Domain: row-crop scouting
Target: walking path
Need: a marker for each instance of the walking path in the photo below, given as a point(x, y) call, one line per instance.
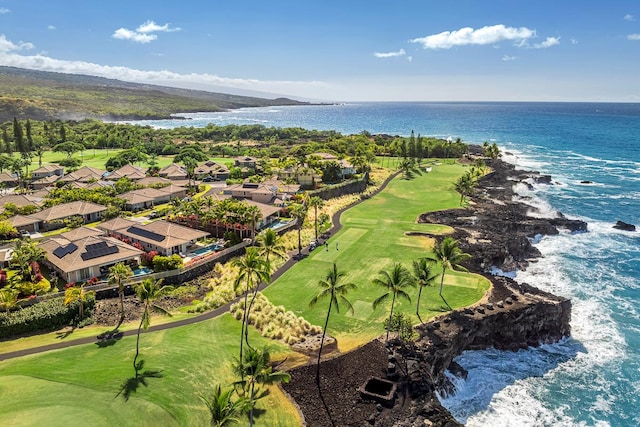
point(337, 226)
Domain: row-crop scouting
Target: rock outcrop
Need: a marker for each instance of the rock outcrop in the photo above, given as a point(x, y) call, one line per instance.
point(620, 225)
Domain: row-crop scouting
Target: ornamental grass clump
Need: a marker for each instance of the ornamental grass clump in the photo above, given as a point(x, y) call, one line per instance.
point(274, 322)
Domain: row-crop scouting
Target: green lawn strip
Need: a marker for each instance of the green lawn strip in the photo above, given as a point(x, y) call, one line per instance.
point(373, 238)
point(93, 158)
point(69, 334)
point(191, 358)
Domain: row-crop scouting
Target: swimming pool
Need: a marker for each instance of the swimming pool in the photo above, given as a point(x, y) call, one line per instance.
point(206, 250)
point(279, 224)
point(142, 271)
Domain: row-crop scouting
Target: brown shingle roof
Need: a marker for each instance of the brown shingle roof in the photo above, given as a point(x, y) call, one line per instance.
point(66, 210)
point(174, 234)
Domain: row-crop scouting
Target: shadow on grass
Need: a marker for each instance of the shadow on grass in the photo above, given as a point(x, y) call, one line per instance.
point(109, 338)
point(131, 385)
point(64, 334)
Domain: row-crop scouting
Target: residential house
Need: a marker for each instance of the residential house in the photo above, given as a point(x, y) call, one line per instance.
point(211, 171)
point(245, 162)
point(134, 173)
point(20, 200)
point(81, 259)
point(53, 217)
point(25, 223)
point(346, 168)
point(7, 180)
point(146, 198)
point(47, 170)
point(44, 182)
point(174, 171)
point(85, 174)
point(257, 192)
point(164, 237)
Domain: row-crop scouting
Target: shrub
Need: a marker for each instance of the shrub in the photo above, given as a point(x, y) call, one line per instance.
point(47, 315)
point(275, 322)
point(164, 263)
point(27, 288)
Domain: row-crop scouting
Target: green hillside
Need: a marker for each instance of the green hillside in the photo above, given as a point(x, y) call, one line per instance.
point(41, 95)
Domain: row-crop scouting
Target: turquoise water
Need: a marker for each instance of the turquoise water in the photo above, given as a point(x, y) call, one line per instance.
point(278, 224)
point(206, 250)
point(593, 378)
point(142, 271)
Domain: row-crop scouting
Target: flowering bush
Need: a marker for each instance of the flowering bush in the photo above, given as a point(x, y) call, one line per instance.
point(69, 285)
point(3, 277)
point(92, 281)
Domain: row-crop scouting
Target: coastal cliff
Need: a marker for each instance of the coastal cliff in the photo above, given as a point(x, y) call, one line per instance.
point(497, 229)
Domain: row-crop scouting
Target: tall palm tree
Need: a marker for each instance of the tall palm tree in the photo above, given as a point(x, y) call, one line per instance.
point(252, 270)
point(336, 291)
point(449, 255)
point(316, 202)
point(299, 212)
point(119, 275)
point(425, 276)
point(465, 185)
point(223, 409)
point(148, 292)
point(395, 282)
point(270, 243)
point(255, 370)
point(78, 293)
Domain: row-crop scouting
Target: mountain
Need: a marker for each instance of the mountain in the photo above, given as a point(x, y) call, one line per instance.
point(44, 95)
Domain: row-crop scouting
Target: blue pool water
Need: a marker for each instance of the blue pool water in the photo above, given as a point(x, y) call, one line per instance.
point(207, 249)
point(142, 271)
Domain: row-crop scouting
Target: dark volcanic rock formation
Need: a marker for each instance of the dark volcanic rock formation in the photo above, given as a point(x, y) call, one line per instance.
point(624, 226)
point(496, 230)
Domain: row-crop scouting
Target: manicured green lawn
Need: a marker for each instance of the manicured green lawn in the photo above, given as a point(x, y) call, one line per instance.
point(93, 158)
point(373, 238)
point(78, 386)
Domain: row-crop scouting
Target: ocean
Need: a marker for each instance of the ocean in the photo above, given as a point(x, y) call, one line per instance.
point(592, 152)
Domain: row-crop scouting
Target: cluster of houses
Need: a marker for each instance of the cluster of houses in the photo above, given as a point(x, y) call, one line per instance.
point(87, 252)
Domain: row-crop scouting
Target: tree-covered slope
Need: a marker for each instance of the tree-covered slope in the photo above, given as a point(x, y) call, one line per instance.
point(42, 95)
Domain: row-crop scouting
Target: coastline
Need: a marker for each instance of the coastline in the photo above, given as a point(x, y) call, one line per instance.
point(498, 232)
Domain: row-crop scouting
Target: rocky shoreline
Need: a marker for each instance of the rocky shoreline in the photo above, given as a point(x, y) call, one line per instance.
point(497, 229)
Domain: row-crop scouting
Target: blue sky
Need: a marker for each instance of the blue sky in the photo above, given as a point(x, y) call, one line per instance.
point(422, 50)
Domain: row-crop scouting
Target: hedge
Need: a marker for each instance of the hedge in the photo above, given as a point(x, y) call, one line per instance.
point(46, 315)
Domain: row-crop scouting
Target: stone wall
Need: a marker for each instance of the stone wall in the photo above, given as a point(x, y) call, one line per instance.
point(333, 191)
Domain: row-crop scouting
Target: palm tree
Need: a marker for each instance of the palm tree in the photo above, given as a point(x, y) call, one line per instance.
point(394, 282)
point(8, 298)
point(255, 370)
point(223, 409)
point(77, 293)
point(449, 255)
point(119, 275)
point(316, 202)
point(465, 185)
point(271, 244)
point(252, 271)
point(422, 271)
point(299, 212)
point(253, 215)
point(148, 292)
point(336, 292)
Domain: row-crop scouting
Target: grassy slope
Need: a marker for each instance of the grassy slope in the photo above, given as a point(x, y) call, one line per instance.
point(195, 357)
point(73, 386)
point(373, 239)
point(41, 95)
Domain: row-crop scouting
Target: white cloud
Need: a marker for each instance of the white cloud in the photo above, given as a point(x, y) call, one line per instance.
point(144, 33)
point(633, 36)
point(508, 58)
point(629, 17)
point(410, 58)
point(550, 41)
point(152, 27)
point(124, 34)
point(574, 41)
point(8, 57)
point(400, 52)
point(51, 27)
point(4, 10)
point(8, 46)
point(469, 36)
